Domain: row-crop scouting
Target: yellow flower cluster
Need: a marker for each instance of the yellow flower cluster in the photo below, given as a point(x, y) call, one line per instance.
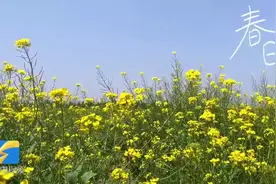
point(193, 75)
point(5, 176)
point(88, 122)
point(139, 94)
point(8, 68)
point(247, 160)
point(59, 94)
point(126, 99)
point(22, 43)
point(193, 151)
point(111, 95)
point(208, 115)
point(216, 138)
point(120, 174)
point(152, 181)
point(88, 101)
point(32, 158)
point(28, 171)
point(133, 154)
point(64, 154)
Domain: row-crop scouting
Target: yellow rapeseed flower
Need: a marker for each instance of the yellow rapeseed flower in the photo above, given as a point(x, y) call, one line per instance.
point(229, 82)
point(214, 161)
point(59, 94)
point(192, 100)
point(64, 153)
point(237, 156)
point(208, 115)
point(9, 68)
point(193, 75)
point(111, 95)
point(123, 73)
point(25, 181)
point(32, 158)
point(28, 170)
point(5, 176)
point(119, 174)
point(21, 72)
point(152, 181)
point(126, 99)
point(88, 100)
point(213, 132)
point(22, 43)
point(133, 154)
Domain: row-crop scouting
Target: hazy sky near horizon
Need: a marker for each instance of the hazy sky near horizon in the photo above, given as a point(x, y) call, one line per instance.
point(72, 37)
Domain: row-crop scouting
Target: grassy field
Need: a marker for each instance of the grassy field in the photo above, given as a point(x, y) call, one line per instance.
point(188, 129)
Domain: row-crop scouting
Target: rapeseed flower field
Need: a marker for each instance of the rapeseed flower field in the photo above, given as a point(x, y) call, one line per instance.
point(188, 129)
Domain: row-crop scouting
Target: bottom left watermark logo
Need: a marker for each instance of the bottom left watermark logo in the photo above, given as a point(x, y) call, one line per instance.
point(9, 152)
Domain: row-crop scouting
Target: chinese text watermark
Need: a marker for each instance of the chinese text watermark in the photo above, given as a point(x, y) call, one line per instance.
point(253, 31)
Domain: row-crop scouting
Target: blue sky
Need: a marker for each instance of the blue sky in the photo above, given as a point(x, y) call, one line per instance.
point(72, 37)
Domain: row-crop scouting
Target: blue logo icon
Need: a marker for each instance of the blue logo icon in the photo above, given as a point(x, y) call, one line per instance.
point(9, 152)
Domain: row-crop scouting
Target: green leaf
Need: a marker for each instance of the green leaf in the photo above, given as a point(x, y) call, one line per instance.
point(31, 149)
point(31, 138)
point(72, 177)
point(15, 181)
point(87, 176)
point(78, 169)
